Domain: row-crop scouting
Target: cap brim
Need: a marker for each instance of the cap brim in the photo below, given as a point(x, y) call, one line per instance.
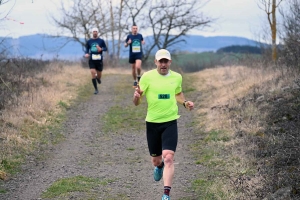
point(162, 57)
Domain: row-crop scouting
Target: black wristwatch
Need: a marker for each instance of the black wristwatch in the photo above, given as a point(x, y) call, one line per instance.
point(184, 103)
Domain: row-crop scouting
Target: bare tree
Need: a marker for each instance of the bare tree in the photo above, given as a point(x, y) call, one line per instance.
point(171, 20)
point(80, 18)
point(269, 7)
point(120, 27)
point(118, 19)
point(168, 21)
point(135, 8)
point(4, 2)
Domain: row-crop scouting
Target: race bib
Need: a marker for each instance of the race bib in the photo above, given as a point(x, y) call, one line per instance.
point(136, 49)
point(96, 57)
point(164, 96)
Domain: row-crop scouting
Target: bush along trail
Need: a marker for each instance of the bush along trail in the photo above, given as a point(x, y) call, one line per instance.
point(104, 153)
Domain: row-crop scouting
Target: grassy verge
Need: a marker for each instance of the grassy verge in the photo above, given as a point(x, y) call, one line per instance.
point(36, 121)
point(64, 187)
point(231, 128)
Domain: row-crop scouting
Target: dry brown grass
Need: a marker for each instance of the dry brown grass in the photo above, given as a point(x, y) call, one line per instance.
point(229, 104)
point(60, 84)
point(48, 90)
point(117, 70)
point(223, 85)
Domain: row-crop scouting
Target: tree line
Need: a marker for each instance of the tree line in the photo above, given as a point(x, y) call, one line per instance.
point(166, 21)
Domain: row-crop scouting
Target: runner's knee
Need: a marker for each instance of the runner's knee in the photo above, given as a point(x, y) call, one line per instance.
point(156, 160)
point(168, 158)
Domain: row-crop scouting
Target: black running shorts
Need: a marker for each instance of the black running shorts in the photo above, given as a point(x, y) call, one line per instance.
point(161, 136)
point(96, 64)
point(133, 58)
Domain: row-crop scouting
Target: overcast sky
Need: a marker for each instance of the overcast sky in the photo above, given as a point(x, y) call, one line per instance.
point(235, 17)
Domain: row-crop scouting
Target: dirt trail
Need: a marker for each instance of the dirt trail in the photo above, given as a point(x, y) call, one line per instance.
point(88, 152)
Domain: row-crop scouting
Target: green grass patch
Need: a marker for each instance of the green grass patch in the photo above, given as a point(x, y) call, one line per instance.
point(203, 187)
point(124, 118)
point(207, 155)
point(2, 191)
point(63, 104)
point(217, 135)
point(84, 92)
point(130, 149)
point(11, 165)
point(65, 186)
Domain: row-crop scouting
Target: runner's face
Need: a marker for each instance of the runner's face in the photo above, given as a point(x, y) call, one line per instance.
point(163, 66)
point(95, 34)
point(134, 30)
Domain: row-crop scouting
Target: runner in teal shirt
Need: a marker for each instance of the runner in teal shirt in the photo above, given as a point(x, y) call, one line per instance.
point(135, 41)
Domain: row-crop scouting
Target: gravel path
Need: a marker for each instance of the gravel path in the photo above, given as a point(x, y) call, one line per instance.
point(88, 152)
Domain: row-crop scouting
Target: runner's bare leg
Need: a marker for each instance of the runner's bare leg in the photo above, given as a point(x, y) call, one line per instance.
point(133, 67)
point(168, 173)
point(138, 65)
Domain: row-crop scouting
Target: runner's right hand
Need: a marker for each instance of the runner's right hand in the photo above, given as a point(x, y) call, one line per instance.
point(138, 92)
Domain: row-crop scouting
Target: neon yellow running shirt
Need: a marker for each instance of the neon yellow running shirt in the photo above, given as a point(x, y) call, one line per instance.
point(160, 93)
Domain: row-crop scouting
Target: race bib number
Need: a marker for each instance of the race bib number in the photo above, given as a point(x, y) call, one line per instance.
point(164, 96)
point(96, 57)
point(136, 49)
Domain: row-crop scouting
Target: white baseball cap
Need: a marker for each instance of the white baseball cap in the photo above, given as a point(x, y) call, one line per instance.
point(95, 29)
point(162, 53)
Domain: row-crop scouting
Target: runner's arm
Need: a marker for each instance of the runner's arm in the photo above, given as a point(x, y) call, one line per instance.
point(103, 46)
point(126, 42)
point(87, 48)
point(181, 100)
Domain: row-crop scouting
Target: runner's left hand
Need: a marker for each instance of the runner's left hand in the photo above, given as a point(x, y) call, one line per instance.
point(189, 105)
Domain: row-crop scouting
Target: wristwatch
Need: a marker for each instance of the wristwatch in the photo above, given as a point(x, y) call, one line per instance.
point(184, 103)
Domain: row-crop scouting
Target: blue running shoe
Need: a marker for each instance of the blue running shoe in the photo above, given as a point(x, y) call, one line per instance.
point(165, 197)
point(158, 173)
point(135, 83)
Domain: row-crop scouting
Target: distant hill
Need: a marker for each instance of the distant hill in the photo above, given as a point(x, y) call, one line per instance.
point(240, 49)
point(47, 47)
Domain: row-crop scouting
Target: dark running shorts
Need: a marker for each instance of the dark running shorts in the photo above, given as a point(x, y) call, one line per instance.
point(133, 58)
point(96, 64)
point(161, 136)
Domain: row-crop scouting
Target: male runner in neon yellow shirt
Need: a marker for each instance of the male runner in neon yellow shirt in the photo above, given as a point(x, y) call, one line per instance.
point(162, 88)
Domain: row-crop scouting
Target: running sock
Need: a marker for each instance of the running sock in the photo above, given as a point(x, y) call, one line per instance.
point(95, 83)
point(98, 80)
point(161, 165)
point(138, 78)
point(167, 190)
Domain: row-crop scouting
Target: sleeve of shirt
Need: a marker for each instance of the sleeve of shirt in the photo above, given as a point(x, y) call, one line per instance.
point(143, 85)
point(179, 87)
point(103, 46)
point(87, 47)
